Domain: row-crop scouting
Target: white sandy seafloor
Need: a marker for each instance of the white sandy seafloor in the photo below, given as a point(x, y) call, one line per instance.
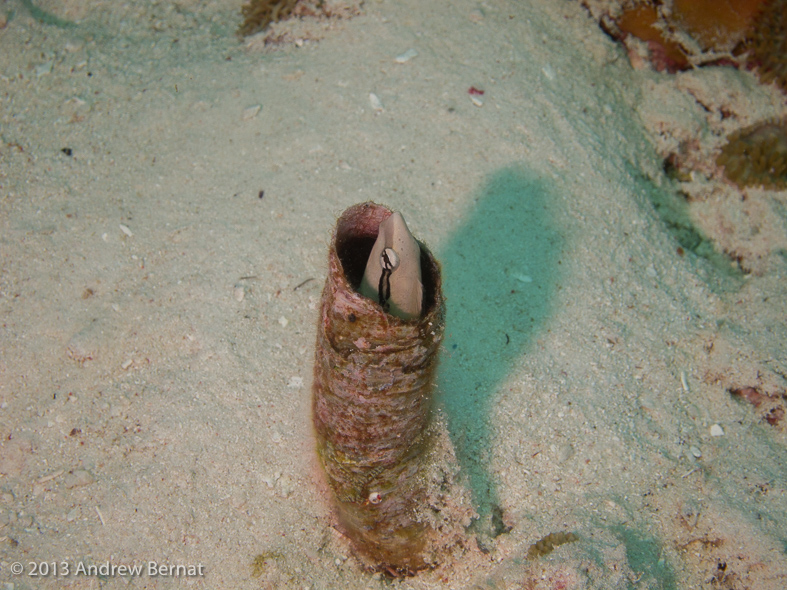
point(158, 330)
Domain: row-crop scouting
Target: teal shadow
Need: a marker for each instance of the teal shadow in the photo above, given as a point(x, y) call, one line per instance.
point(645, 557)
point(500, 274)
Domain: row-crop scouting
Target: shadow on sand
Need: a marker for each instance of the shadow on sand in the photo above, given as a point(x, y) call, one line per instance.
point(500, 272)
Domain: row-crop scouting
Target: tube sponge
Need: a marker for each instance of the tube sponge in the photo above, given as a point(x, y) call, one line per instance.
point(371, 403)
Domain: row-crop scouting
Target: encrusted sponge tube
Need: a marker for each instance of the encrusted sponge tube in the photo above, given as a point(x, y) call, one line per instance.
point(372, 398)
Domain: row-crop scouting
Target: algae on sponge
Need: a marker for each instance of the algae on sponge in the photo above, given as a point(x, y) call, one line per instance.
point(757, 155)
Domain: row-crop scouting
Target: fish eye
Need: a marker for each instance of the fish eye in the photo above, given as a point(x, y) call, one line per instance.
point(389, 259)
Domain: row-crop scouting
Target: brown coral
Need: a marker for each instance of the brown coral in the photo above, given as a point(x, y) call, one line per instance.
point(757, 156)
point(716, 24)
point(258, 14)
point(768, 43)
point(547, 544)
point(643, 22)
point(728, 32)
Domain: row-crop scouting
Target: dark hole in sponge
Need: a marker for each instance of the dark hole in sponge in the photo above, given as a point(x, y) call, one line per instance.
point(354, 252)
